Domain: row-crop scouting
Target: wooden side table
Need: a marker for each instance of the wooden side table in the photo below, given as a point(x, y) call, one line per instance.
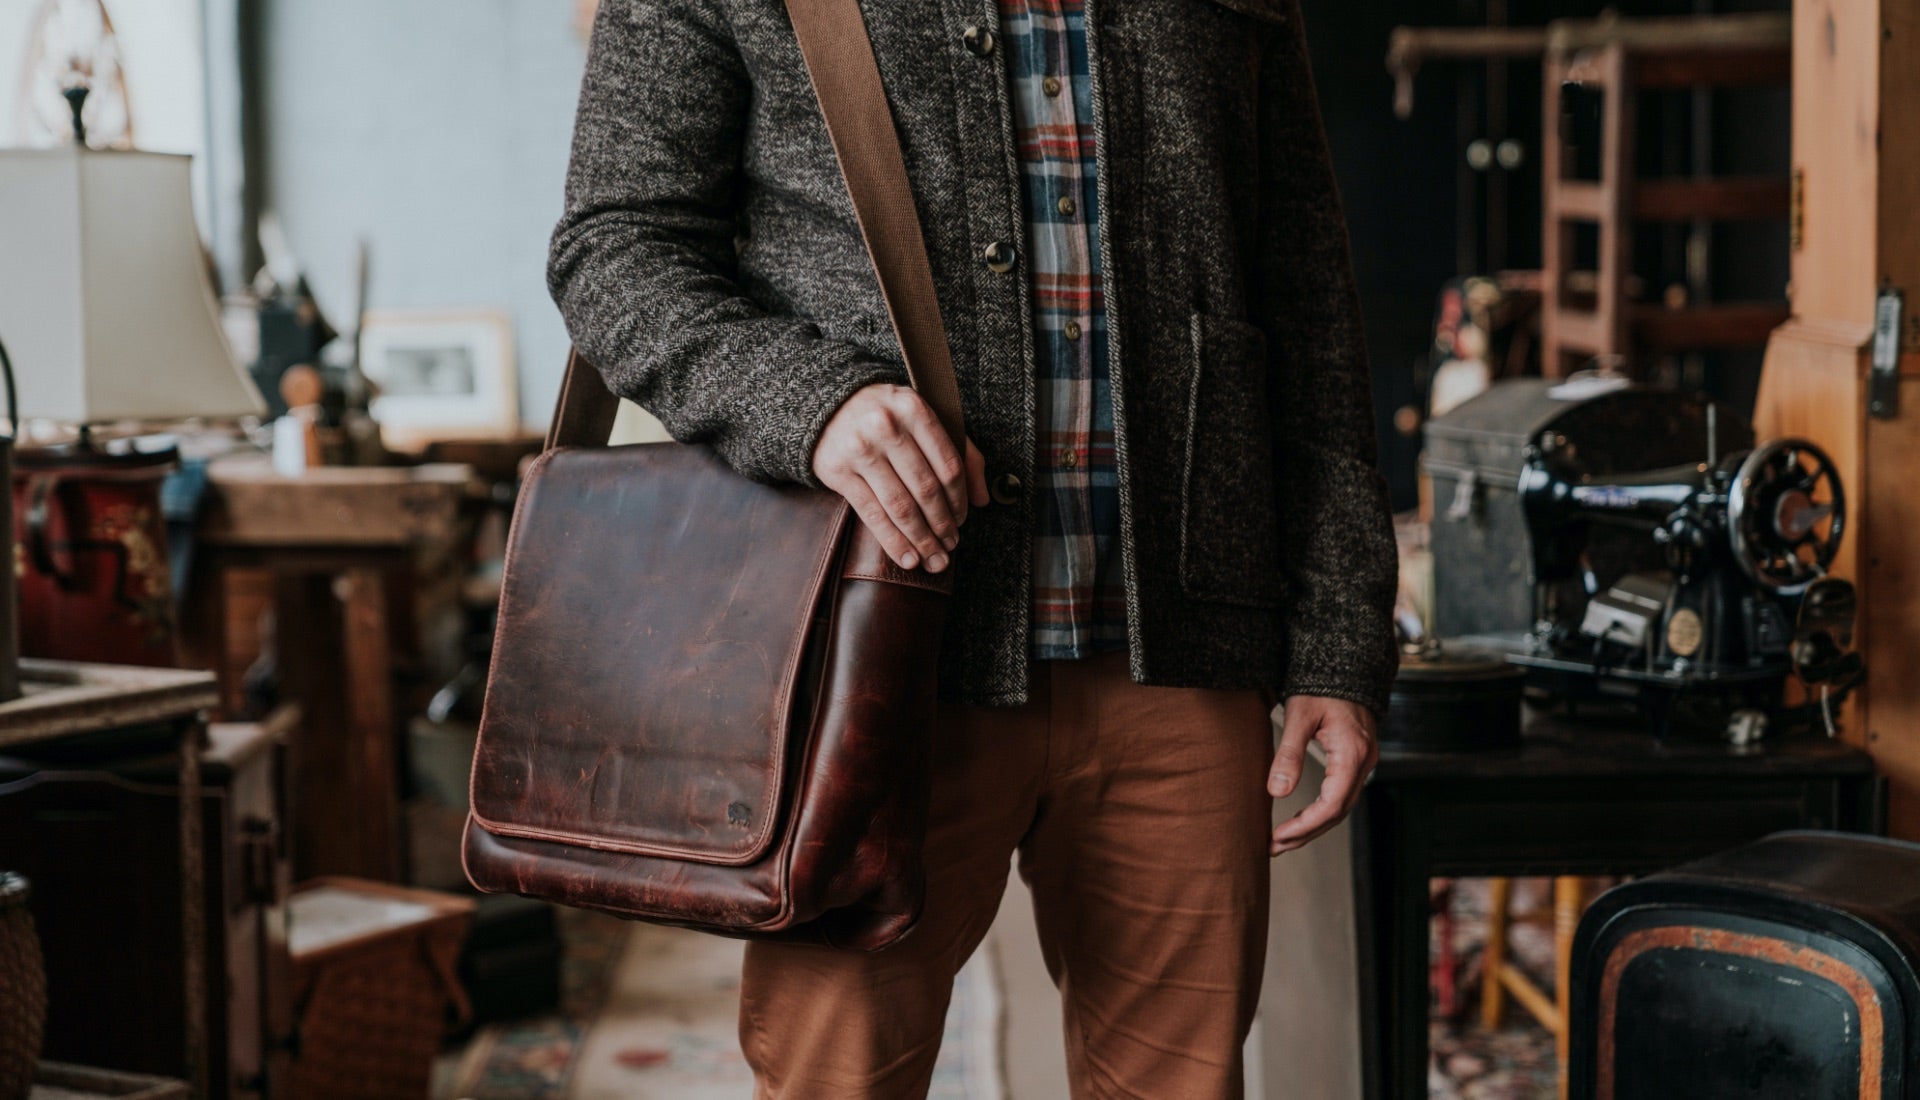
point(66, 701)
point(1575, 799)
point(343, 554)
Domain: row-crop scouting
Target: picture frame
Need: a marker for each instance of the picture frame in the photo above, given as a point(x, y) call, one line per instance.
point(441, 374)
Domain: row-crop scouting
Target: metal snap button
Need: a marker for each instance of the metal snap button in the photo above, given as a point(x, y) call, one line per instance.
point(1006, 489)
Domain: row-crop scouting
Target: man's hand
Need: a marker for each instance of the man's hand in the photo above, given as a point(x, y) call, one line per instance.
point(887, 454)
point(1346, 732)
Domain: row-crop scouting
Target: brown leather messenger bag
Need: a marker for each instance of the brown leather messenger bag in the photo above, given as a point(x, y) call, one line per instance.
point(711, 699)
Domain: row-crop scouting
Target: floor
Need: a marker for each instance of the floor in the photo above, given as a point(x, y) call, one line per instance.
point(648, 1014)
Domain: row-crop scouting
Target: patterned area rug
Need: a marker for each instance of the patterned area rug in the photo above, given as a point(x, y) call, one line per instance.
point(1468, 1062)
point(649, 1014)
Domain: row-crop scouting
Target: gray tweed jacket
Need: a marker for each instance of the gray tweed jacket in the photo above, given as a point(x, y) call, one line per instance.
point(710, 264)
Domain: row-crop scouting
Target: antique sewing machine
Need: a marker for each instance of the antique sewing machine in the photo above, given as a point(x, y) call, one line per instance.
point(1743, 603)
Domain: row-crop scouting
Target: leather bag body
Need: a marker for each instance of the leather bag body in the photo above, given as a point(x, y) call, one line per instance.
point(711, 699)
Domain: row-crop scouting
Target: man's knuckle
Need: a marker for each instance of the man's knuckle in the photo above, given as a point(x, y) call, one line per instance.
point(876, 422)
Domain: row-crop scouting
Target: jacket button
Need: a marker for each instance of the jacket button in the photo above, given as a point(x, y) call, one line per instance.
point(979, 40)
point(1000, 257)
point(1006, 489)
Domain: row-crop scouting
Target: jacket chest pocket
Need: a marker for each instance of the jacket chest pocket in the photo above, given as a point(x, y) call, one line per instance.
point(1230, 536)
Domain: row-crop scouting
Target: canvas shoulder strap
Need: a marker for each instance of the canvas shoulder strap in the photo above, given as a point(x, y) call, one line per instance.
point(846, 80)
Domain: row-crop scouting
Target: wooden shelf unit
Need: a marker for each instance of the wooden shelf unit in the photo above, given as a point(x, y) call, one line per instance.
point(1713, 52)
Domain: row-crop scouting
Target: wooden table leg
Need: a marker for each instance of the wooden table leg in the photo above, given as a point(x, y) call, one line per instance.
point(1493, 998)
point(193, 913)
point(1569, 902)
point(342, 761)
point(371, 735)
point(1391, 862)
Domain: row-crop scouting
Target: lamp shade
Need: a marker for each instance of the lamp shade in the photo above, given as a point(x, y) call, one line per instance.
point(105, 300)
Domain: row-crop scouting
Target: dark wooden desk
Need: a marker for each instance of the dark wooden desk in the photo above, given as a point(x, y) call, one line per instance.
point(1577, 798)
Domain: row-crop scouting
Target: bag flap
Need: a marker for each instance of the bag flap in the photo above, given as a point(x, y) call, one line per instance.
point(653, 619)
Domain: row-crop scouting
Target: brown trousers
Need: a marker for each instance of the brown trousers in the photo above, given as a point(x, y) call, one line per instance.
point(1141, 818)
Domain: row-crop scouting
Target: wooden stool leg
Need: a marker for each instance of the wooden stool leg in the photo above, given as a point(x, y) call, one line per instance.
point(1492, 991)
point(1569, 901)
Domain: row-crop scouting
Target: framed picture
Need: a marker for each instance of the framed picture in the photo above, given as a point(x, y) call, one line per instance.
point(441, 375)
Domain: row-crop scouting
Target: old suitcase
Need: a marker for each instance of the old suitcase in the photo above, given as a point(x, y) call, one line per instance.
point(1786, 968)
point(1474, 454)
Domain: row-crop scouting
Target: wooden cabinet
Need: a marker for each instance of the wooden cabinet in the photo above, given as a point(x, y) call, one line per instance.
point(100, 841)
point(1856, 231)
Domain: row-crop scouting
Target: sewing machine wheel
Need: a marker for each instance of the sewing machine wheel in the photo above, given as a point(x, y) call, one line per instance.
point(1785, 515)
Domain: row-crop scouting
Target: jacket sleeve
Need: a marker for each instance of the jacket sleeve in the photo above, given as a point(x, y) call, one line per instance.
point(643, 265)
point(1339, 558)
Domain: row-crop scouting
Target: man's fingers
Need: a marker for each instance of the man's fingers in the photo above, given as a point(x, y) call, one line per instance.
point(904, 511)
point(867, 507)
point(976, 477)
point(1295, 731)
point(942, 462)
point(1325, 811)
point(1350, 757)
point(929, 492)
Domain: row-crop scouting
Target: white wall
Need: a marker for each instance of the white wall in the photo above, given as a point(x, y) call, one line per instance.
point(161, 53)
point(438, 130)
point(164, 61)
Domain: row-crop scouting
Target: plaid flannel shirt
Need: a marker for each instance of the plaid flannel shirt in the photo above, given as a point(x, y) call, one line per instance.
point(1079, 595)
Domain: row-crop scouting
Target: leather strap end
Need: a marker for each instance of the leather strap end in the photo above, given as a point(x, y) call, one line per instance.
point(584, 415)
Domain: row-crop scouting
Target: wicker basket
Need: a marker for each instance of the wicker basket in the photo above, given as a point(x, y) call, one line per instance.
point(23, 990)
point(374, 975)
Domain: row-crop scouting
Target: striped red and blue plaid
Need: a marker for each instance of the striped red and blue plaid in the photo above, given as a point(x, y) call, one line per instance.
point(1079, 597)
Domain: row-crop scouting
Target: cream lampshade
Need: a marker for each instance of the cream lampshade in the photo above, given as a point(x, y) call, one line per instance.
point(105, 300)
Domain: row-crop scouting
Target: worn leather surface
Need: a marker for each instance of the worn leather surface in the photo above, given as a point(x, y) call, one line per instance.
point(709, 704)
point(642, 696)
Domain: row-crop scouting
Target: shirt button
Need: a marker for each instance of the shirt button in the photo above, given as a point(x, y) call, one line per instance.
point(1000, 257)
point(1066, 205)
point(1006, 489)
point(1069, 459)
point(978, 40)
point(1051, 85)
point(1071, 330)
